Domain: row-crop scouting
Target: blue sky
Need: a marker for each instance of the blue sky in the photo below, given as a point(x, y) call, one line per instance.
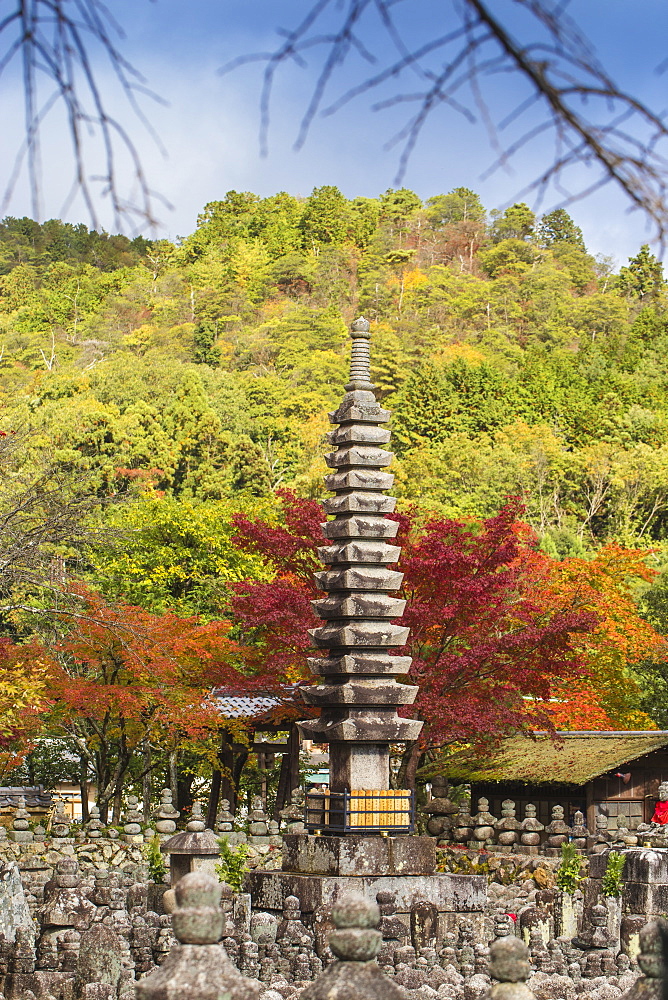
point(209, 127)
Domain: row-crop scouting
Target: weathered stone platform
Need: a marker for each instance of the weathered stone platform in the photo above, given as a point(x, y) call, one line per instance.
point(448, 893)
point(356, 854)
point(644, 882)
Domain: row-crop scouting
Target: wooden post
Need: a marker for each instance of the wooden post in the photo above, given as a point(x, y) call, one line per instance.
point(222, 785)
point(288, 778)
point(294, 746)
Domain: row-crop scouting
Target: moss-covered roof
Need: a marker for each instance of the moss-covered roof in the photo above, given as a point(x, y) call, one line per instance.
point(575, 759)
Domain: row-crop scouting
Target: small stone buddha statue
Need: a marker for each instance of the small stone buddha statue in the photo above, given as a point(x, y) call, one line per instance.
point(660, 815)
point(657, 824)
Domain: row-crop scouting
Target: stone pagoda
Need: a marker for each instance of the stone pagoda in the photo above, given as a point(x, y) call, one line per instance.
point(360, 830)
point(358, 693)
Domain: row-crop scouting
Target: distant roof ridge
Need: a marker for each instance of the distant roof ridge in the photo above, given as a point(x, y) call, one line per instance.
point(597, 732)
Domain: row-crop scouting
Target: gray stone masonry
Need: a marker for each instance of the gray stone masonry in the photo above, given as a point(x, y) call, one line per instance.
point(355, 941)
point(650, 985)
point(194, 849)
point(199, 969)
point(509, 964)
point(96, 934)
point(14, 911)
point(358, 855)
point(99, 961)
point(645, 880)
point(448, 893)
point(357, 691)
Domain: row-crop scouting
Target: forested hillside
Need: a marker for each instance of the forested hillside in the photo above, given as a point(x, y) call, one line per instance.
point(180, 383)
point(513, 362)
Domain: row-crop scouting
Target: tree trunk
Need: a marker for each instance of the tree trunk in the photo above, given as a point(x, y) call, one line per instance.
point(146, 782)
point(239, 765)
point(184, 785)
point(283, 789)
point(289, 777)
point(83, 787)
point(409, 765)
point(118, 796)
point(214, 799)
point(174, 776)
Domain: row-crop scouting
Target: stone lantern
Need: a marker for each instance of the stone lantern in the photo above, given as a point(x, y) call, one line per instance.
point(195, 849)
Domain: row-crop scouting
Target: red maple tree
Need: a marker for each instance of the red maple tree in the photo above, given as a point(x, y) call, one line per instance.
point(123, 679)
point(494, 629)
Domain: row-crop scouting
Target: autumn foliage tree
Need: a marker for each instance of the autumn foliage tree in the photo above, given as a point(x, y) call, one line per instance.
point(604, 586)
point(23, 696)
point(123, 680)
point(497, 627)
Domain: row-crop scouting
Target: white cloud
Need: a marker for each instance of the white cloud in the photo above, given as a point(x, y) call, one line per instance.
point(210, 130)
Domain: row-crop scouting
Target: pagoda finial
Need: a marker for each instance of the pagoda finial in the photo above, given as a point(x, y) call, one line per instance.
point(360, 358)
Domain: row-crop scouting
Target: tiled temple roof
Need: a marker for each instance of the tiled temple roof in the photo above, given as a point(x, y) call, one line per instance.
point(35, 796)
point(241, 706)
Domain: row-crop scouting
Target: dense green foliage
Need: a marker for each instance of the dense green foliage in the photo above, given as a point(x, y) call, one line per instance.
point(233, 866)
point(193, 379)
point(514, 362)
point(612, 884)
point(155, 860)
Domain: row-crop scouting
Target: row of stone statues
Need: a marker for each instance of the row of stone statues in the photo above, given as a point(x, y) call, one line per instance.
point(133, 829)
point(448, 822)
point(454, 823)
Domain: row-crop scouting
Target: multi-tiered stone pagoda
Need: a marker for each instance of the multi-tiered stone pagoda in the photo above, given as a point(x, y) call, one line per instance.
point(358, 693)
point(359, 831)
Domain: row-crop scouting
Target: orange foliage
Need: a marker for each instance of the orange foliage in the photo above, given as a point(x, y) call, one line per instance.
point(123, 676)
point(604, 587)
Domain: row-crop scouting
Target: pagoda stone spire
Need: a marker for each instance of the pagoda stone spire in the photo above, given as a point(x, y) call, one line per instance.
point(357, 691)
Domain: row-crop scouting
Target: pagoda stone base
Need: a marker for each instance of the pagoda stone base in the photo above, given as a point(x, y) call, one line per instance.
point(450, 894)
point(357, 854)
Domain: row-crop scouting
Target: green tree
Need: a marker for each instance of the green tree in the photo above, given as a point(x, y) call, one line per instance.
point(163, 553)
point(275, 222)
point(516, 223)
point(558, 227)
point(642, 278)
point(327, 218)
point(398, 209)
point(204, 338)
point(459, 205)
point(508, 255)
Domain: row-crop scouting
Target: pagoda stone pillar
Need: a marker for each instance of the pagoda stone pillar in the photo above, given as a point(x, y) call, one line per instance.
point(357, 692)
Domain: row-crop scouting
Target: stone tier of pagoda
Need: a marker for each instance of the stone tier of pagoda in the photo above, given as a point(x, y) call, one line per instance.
point(357, 691)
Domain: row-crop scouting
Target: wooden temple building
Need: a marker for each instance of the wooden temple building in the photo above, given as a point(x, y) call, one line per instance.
point(614, 773)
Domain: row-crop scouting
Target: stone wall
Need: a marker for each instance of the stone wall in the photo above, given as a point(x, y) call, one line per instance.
point(74, 893)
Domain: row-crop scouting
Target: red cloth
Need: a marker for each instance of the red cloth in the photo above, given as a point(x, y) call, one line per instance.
point(660, 813)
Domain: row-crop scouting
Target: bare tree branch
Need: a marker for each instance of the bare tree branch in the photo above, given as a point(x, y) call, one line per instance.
point(58, 42)
point(44, 513)
point(469, 45)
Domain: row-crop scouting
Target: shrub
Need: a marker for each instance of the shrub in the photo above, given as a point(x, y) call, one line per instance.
point(232, 867)
point(569, 873)
point(612, 879)
point(157, 869)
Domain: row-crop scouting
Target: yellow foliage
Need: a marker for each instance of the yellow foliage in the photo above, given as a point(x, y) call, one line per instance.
point(141, 336)
point(460, 352)
point(22, 691)
point(408, 280)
